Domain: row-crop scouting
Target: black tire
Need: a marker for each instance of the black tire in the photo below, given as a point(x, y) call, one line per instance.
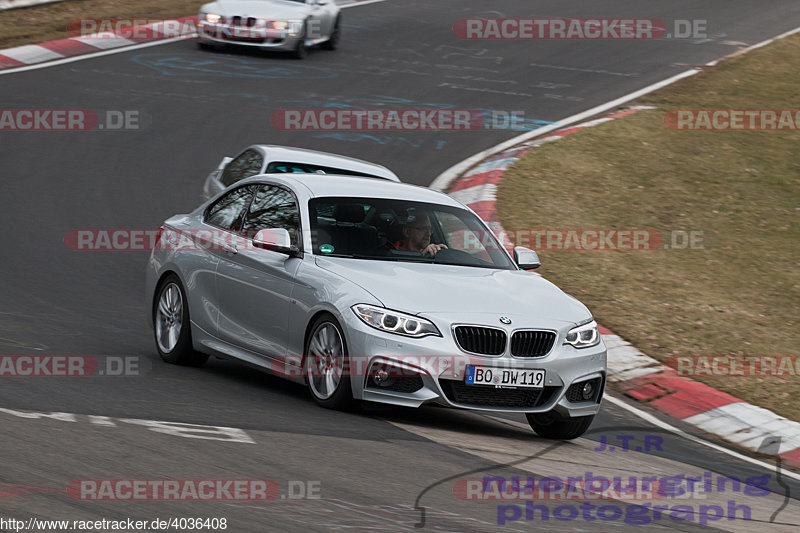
point(301, 50)
point(336, 36)
point(318, 362)
point(206, 46)
point(170, 308)
point(557, 427)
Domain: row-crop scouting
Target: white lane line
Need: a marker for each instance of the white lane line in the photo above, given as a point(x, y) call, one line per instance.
point(91, 55)
point(360, 3)
point(445, 178)
point(127, 48)
point(663, 425)
point(14, 4)
point(177, 429)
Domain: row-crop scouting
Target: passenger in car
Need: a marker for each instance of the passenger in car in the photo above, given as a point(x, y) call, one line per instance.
point(417, 235)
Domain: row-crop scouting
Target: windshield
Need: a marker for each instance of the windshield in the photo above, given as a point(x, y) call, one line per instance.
point(397, 230)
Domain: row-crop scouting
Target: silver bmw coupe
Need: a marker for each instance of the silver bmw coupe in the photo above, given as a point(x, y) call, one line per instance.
point(371, 290)
point(281, 25)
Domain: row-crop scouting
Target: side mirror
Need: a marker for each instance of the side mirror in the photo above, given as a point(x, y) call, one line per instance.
point(526, 258)
point(275, 239)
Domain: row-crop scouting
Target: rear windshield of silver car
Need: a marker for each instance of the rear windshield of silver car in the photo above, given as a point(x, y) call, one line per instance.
point(400, 230)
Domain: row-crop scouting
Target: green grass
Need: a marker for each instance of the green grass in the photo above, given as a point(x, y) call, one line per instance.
point(738, 296)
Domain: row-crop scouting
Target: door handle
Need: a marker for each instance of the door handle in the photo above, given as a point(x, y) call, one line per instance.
point(230, 249)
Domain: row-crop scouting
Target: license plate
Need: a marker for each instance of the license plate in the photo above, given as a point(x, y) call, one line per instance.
point(507, 377)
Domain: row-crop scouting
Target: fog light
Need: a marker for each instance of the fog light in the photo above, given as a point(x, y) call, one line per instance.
point(588, 390)
point(380, 377)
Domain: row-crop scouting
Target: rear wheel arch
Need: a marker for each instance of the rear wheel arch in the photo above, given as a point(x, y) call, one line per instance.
point(172, 323)
point(164, 275)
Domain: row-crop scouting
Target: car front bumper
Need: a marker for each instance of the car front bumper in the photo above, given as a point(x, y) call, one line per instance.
point(433, 370)
point(243, 36)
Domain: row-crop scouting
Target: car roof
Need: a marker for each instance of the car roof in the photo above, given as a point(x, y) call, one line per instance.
point(324, 185)
point(325, 159)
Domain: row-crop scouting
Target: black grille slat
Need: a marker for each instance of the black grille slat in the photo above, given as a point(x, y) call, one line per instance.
point(532, 343)
point(487, 396)
point(480, 340)
point(538, 343)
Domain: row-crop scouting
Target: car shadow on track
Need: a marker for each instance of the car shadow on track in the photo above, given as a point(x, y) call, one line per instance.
point(259, 396)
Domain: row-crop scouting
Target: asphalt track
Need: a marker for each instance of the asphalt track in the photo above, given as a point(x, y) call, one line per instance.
point(376, 469)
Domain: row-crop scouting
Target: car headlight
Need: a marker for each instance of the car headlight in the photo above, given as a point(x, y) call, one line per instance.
point(395, 322)
point(583, 336)
point(212, 18)
point(293, 27)
point(278, 24)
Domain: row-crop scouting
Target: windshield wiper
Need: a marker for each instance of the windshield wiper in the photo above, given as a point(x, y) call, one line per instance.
point(363, 256)
point(495, 267)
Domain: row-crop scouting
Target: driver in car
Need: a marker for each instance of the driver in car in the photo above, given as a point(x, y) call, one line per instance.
point(417, 236)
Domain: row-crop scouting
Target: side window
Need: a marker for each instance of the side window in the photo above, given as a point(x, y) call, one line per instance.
point(273, 207)
point(281, 167)
point(227, 212)
point(247, 164)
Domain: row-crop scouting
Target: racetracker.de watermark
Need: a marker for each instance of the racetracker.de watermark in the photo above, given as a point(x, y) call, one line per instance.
point(69, 120)
point(769, 366)
point(233, 29)
point(589, 486)
point(590, 239)
point(733, 119)
point(396, 120)
point(136, 240)
point(162, 490)
point(577, 29)
point(71, 366)
point(386, 369)
point(174, 489)
point(584, 239)
point(130, 28)
point(586, 487)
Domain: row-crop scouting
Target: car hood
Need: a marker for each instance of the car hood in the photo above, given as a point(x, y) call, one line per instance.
point(268, 9)
point(420, 288)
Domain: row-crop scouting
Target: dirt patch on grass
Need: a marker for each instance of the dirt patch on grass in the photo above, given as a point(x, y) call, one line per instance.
point(49, 22)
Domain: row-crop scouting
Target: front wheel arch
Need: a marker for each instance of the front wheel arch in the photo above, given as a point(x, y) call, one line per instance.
point(342, 396)
point(310, 326)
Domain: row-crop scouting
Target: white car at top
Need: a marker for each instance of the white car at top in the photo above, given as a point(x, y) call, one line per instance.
point(280, 25)
point(274, 159)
